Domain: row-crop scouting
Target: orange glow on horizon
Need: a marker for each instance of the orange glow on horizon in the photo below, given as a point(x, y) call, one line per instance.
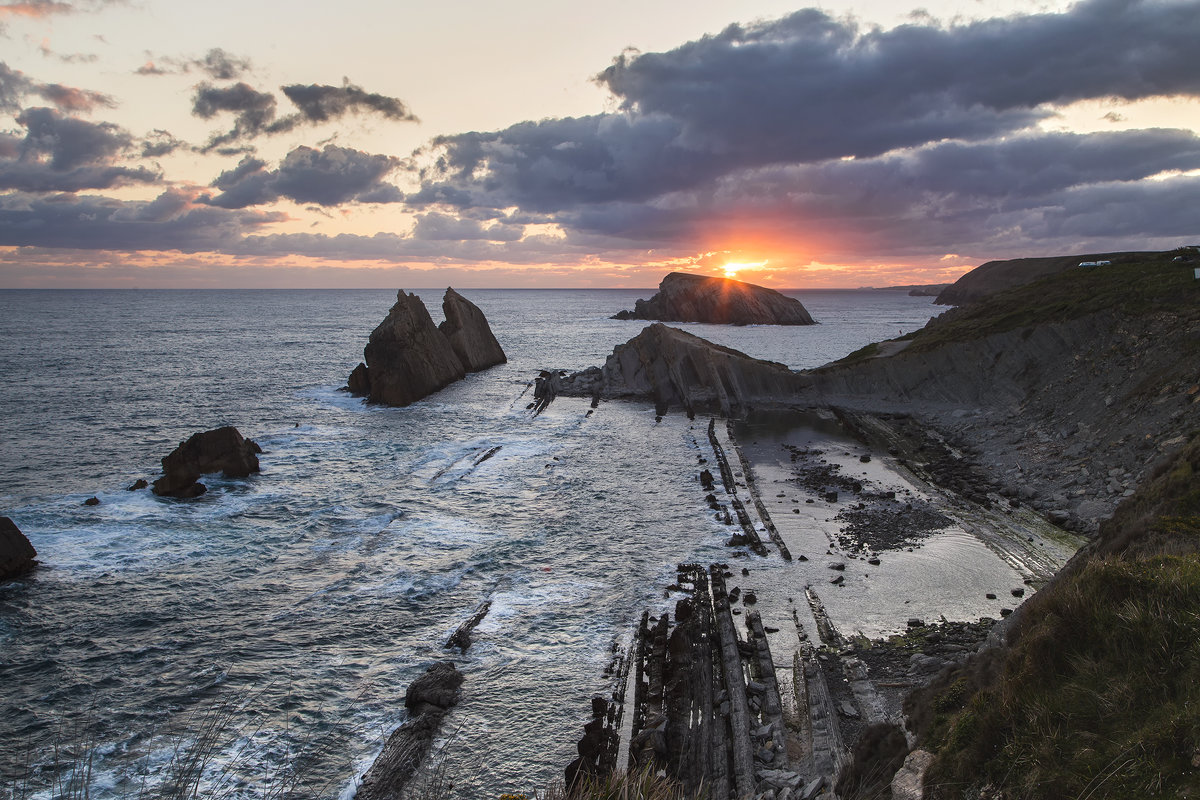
point(732, 268)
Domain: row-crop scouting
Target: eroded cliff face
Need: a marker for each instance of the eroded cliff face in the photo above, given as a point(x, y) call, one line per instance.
point(675, 368)
point(408, 357)
point(696, 298)
point(470, 335)
point(1074, 413)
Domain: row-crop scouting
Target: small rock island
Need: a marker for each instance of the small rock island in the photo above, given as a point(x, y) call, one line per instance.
point(683, 297)
point(222, 450)
point(408, 357)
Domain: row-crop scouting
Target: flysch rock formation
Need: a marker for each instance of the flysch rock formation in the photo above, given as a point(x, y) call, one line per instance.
point(674, 368)
point(470, 335)
point(427, 701)
point(222, 450)
point(696, 298)
point(16, 553)
point(408, 358)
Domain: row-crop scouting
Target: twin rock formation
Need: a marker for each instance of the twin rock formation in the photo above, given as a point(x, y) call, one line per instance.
point(408, 357)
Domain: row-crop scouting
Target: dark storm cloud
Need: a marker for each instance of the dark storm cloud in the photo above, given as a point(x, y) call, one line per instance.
point(810, 88)
point(326, 177)
point(61, 153)
point(170, 222)
point(255, 111)
point(16, 85)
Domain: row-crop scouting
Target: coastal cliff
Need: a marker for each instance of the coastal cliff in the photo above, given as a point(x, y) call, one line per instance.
point(408, 358)
point(675, 368)
point(696, 298)
point(996, 276)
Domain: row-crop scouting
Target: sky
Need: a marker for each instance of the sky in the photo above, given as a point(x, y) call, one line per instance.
point(364, 144)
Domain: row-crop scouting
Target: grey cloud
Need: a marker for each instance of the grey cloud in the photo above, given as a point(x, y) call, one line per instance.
point(809, 88)
point(171, 222)
point(66, 154)
point(16, 85)
point(330, 176)
point(216, 63)
point(322, 103)
point(159, 143)
point(443, 227)
point(253, 110)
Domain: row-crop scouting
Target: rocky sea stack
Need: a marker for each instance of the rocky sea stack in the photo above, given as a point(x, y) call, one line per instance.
point(16, 553)
point(723, 301)
point(222, 450)
point(408, 357)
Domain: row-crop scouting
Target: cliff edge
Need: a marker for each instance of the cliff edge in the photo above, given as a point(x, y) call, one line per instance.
point(695, 298)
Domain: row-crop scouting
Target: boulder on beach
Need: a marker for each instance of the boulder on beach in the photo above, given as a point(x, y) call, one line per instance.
point(674, 368)
point(222, 450)
point(696, 298)
point(16, 553)
point(408, 358)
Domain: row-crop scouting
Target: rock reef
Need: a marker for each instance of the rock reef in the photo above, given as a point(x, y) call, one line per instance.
point(222, 450)
point(674, 368)
point(16, 553)
point(427, 701)
point(695, 298)
point(408, 358)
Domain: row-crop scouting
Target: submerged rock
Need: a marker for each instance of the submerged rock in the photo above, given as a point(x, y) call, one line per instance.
point(222, 450)
point(672, 367)
point(16, 553)
point(408, 358)
point(696, 298)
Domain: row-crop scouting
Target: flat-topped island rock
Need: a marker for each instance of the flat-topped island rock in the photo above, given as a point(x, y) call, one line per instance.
point(408, 358)
point(723, 301)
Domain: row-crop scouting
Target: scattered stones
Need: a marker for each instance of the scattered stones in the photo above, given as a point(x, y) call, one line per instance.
point(1018, 592)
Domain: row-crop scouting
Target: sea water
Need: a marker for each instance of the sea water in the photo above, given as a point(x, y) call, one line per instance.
point(291, 609)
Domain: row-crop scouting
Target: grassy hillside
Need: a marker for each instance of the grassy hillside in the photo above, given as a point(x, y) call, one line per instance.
point(1098, 694)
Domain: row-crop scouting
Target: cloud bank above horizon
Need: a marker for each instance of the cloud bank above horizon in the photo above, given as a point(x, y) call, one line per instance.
point(807, 142)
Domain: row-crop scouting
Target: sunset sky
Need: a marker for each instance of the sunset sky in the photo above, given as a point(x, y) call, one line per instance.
point(547, 144)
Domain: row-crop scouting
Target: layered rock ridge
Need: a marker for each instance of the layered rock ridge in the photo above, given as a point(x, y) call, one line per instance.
point(408, 358)
point(674, 368)
point(696, 298)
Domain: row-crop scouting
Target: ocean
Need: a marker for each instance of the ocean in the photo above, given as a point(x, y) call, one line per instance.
point(296, 605)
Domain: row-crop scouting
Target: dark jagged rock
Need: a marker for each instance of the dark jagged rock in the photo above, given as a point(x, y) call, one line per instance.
point(140, 483)
point(470, 336)
point(461, 638)
point(696, 298)
point(408, 358)
point(223, 450)
point(672, 367)
point(427, 700)
point(16, 553)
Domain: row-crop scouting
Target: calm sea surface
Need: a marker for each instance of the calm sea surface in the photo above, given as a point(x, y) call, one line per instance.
point(301, 602)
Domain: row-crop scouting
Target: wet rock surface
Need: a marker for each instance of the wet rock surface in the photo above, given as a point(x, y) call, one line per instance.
point(222, 450)
point(408, 358)
point(427, 701)
point(16, 552)
point(697, 298)
point(670, 367)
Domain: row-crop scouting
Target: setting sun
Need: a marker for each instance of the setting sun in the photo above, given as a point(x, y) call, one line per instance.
point(734, 267)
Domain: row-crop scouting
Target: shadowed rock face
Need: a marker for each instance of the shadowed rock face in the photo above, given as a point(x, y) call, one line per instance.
point(223, 450)
point(408, 357)
point(16, 553)
point(672, 367)
point(695, 298)
point(469, 333)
